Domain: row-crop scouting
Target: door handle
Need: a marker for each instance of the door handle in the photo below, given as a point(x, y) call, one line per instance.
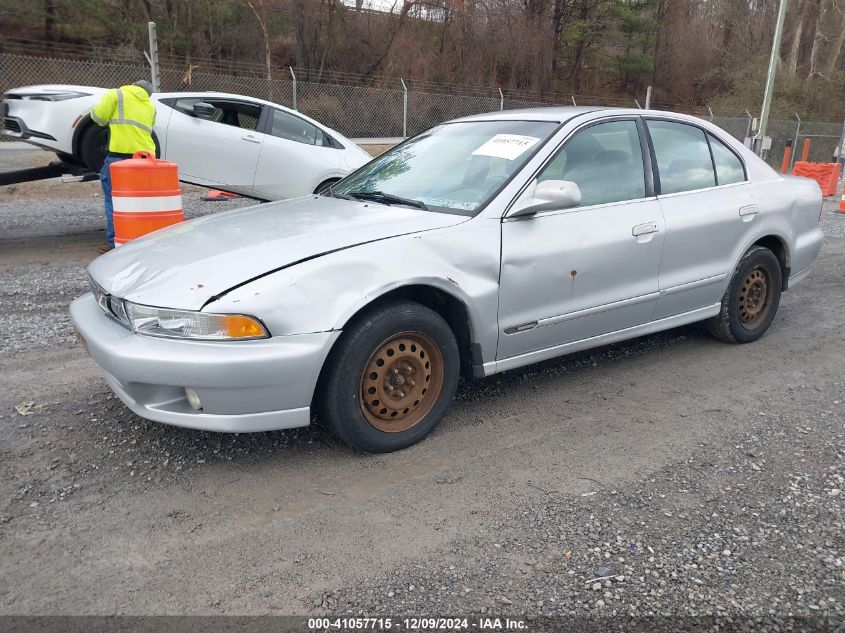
point(644, 229)
point(749, 209)
point(250, 138)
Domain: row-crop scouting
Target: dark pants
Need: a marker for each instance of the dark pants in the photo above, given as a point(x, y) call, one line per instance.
point(105, 181)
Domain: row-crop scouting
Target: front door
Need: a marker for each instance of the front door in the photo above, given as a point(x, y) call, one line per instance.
point(577, 273)
point(222, 150)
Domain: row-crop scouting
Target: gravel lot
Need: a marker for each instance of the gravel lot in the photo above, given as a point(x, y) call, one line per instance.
point(667, 477)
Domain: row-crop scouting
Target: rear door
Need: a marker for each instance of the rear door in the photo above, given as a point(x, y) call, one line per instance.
point(295, 158)
point(221, 151)
point(710, 211)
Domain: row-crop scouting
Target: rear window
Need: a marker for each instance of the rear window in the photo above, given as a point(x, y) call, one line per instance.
point(292, 128)
point(729, 168)
point(683, 157)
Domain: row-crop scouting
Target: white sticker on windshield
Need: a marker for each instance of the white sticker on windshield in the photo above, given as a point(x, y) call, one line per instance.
point(508, 146)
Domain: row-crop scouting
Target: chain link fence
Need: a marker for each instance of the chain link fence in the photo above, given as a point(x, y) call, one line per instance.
point(384, 108)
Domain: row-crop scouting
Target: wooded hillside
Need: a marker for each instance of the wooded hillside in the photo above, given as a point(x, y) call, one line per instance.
point(694, 52)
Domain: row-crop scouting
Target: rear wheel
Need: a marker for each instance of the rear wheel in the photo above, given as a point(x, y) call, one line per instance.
point(326, 184)
point(751, 300)
point(390, 378)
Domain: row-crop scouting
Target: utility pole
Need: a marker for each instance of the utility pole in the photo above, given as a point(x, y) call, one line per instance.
point(840, 149)
point(770, 80)
point(404, 109)
point(152, 58)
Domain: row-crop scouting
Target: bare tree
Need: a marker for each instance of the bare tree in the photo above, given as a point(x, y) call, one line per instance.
point(261, 16)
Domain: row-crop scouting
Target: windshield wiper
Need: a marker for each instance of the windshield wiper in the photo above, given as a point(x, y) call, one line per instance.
point(388, 198)
point(334, 194)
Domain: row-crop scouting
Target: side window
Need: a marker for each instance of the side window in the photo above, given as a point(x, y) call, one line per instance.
point(683, 157)
point(186, 105)
point(234, 113)
point(604, 160)
point(729, 168)
point(293, 128)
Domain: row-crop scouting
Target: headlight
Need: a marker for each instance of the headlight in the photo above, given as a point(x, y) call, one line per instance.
point(193, 325)
point(50, 96)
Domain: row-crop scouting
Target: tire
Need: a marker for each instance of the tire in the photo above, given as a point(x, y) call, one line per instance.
point(326, 184)
point(751, 300)
point(93, 147)
point(404, 358)
point(67, 159)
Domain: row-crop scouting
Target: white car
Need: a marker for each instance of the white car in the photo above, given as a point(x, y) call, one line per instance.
point(231, 142)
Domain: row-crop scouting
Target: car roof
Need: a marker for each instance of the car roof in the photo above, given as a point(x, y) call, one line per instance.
point(213, 93)
point(555, 113)
point(560, 114)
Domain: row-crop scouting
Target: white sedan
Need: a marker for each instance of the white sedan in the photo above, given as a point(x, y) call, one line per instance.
point(231, 142)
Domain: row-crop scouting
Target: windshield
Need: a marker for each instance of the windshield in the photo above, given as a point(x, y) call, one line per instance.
point(454, 168)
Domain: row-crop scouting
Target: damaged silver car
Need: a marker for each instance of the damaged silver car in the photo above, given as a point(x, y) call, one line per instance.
point(481, 245)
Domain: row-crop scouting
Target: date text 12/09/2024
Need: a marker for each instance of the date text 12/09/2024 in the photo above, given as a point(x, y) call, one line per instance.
point(416, 624)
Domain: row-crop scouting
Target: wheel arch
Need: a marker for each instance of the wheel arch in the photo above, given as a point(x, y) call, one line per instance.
point(84, 123)
point(453, 309)
point(327, 182)
point(779, 247)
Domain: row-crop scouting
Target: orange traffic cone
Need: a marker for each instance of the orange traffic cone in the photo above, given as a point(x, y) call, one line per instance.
point(216, 194)
point(842, 202)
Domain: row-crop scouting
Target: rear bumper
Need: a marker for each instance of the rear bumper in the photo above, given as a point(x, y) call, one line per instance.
point(244, 386)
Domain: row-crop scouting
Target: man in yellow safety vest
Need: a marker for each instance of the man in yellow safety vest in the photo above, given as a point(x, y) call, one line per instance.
point(129, 113)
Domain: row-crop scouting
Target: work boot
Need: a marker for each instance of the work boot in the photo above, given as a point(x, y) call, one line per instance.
point(105, 248)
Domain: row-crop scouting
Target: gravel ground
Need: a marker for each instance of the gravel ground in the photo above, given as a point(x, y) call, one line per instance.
point(669, 477)
point(717, 534)
point(34, 297)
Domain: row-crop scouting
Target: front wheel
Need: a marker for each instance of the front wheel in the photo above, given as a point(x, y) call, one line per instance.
point(390, 379)
point(94, 146)
point(751, 300)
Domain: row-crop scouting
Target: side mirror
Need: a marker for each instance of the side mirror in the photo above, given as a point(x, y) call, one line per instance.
point(203, 110)
point(549, 195)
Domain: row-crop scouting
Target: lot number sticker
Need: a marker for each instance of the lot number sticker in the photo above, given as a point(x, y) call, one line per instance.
point(508, 146)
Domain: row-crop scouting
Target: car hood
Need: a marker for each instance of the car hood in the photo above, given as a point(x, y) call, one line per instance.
point(188, 264)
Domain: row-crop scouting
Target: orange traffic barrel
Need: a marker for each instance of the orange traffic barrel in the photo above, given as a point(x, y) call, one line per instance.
point(146, 196)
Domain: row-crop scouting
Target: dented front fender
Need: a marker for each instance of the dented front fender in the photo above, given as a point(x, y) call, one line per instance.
point(322, 294)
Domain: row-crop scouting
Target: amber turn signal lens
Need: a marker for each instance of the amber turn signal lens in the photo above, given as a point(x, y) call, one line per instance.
point(239, 326)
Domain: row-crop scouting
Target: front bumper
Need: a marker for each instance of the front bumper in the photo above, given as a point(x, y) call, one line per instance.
point(16, 128)
point(244, 386)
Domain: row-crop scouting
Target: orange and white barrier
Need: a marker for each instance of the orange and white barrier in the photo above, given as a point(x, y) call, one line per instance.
point(826, 174)
point(146, 196)
point(842, 201)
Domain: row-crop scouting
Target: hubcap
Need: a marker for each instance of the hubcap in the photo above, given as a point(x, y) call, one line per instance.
point(753, 300)
point(401, 382)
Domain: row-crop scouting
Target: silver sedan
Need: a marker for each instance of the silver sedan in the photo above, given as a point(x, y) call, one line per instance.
point(484, 244)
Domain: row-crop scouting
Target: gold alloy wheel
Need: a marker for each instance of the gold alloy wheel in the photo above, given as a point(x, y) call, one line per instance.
point(754, 297)
point(401, 382)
